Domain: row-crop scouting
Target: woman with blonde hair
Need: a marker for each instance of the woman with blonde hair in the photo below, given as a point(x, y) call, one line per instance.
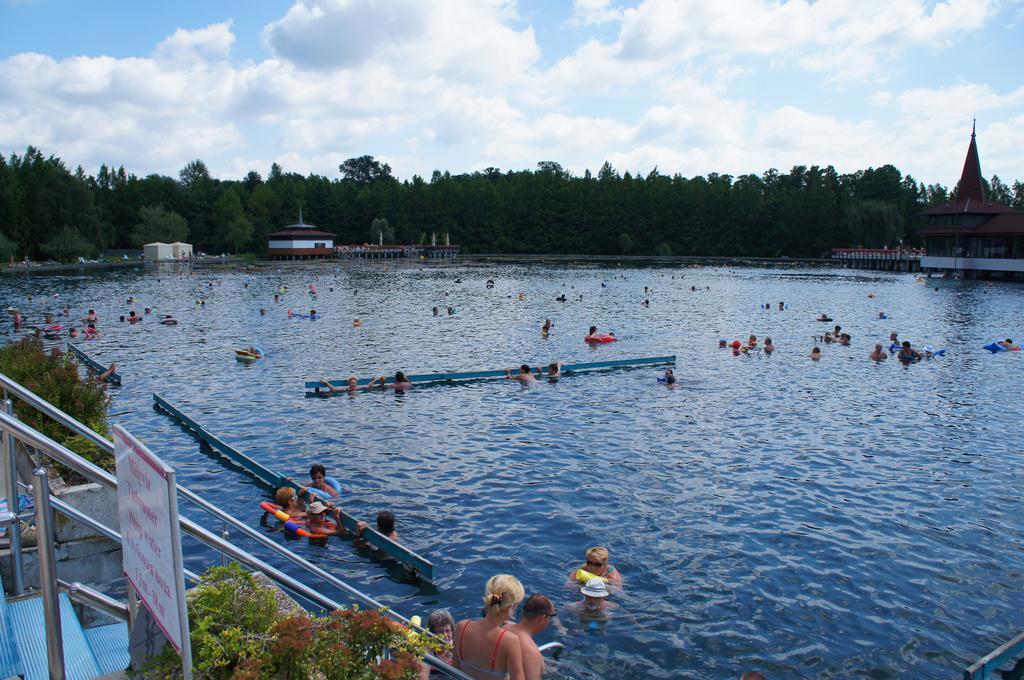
point(596, 565)
point(482, 648)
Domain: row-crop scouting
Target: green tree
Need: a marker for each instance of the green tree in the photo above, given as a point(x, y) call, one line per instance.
point(67, 244)
point(237, 233)
point(381, 230)
point(8, 249)
point(158, 224)
point(365, 170)
point(874, 224)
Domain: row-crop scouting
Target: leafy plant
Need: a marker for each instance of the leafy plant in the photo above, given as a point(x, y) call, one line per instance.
point(240, 630)
point(54, 376)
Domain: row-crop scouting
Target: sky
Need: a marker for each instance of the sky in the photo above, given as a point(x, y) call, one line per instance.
point(684, 86)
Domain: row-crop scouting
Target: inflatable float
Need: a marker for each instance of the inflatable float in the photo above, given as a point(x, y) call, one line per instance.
point(599, 337)
point(293, 525)
point(995, 347)
point(582, 575)
point(320, 493)
point(248, 356)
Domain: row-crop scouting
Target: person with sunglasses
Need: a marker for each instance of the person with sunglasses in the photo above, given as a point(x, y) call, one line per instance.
point(538, 612)
point(597, 565)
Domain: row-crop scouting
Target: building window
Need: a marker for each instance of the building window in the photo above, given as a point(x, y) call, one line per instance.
point(319, 245)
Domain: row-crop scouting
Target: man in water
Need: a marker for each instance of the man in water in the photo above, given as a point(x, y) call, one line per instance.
point(524, 376)
point(538, 611)
point(595, 609)
point(316, 518)
point(554, 371)
point(816, 354)
point(907, 354)
point(879, 353)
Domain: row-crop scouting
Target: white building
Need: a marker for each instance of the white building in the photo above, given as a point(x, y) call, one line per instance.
point(300, 241)
point(158, 251)
point(181, 251)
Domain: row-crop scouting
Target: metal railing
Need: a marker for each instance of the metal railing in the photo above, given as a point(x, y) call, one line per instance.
point(11, 428)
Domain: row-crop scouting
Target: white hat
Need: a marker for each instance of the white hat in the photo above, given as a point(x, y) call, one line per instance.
point(595, 588)
point(315, 508)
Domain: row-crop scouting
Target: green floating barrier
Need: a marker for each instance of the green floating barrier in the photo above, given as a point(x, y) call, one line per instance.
point(274, 480)
point(320, 390)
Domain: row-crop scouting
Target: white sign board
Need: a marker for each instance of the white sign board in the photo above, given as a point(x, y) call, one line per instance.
point(147, 507)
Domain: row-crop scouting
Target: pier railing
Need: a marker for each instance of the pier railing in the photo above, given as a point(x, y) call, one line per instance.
point(12, 429)
point(877, 254)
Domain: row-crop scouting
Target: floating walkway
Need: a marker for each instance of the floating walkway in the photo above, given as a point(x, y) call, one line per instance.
point(319, 390)
point(274, 480)
point(114, 378)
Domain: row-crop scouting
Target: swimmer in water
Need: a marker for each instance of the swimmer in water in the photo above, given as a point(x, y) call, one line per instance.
point(907, 354)
point(768, 346)
point(169, 320)
point(91, 317)
point(546, 328)
point(596, 563)
point(133, 317)
point(844, 339)
point(752, 342)
point(669, 378)
point(289, 502)
point(1008, 343)
point(316, 519)
point(318, 480)
point(524, 376)
point(878, 354)
point(351, 385)
point(816, 354)
point(385, 527)
point(554, 371)
point(401, 382)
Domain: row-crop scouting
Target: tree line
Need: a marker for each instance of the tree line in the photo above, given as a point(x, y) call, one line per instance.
point(47, 211)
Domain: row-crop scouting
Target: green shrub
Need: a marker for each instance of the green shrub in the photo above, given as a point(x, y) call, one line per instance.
point(54, 376)
point(241, 631)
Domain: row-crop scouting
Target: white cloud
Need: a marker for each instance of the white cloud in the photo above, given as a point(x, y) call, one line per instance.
point(461, 40)
point(590, 12)
point(459, 85)
point(213, 41)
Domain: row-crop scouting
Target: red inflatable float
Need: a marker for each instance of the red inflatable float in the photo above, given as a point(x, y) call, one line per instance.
point(599, 337)
point(294, 525)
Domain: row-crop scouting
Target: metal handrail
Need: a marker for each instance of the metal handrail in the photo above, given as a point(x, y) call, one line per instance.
point(100, 528)
point(94, 473)
point(48, 575)
point(79, 592)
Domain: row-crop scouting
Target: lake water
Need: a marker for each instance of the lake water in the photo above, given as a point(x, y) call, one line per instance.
point(812, 520)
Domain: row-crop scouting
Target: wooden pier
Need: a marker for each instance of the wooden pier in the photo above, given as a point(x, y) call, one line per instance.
point(879, 259)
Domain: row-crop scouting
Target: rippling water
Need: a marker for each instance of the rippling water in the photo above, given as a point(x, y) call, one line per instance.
point(832, 519)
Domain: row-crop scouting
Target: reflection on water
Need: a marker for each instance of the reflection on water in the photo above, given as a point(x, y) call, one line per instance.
point(809, 519)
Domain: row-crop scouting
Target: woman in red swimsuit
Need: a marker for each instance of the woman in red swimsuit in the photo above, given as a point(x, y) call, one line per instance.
point(483, 648)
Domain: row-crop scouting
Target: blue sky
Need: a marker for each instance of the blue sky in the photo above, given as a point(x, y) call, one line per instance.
point(685, 85)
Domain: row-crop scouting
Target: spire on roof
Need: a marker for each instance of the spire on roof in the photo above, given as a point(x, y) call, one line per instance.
point(970, 187)
point(300, 204)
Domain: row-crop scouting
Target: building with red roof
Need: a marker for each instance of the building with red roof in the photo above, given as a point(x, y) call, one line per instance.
point(972, 236)
point(300, 241)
